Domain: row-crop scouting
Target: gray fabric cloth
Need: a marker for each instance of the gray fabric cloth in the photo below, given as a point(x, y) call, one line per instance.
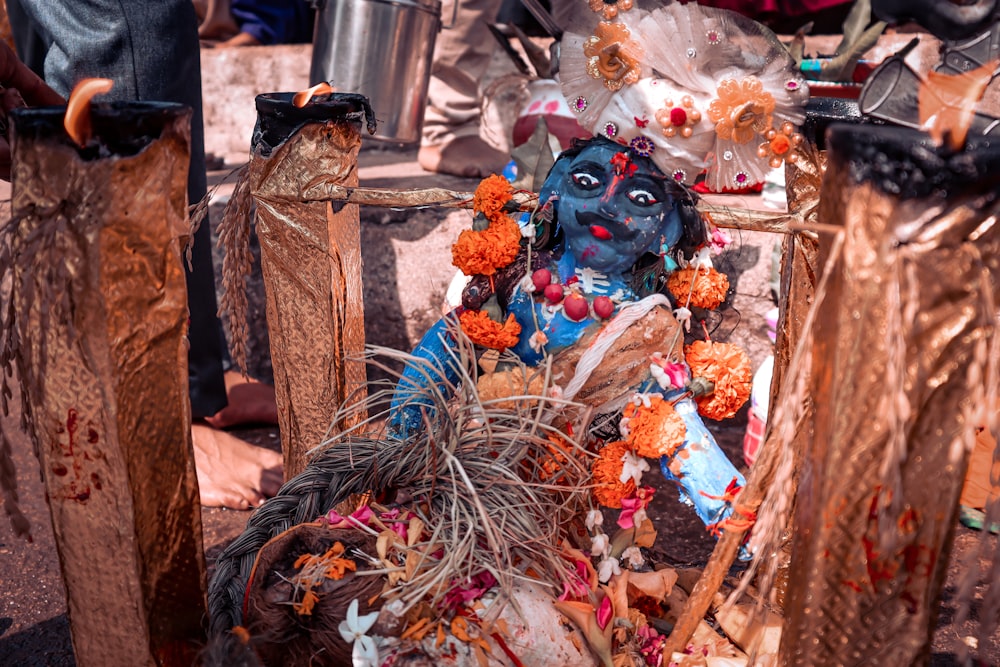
point(462, 54)
point(151, 51)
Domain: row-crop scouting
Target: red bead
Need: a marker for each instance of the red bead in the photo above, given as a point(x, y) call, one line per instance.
point(554, 293)
point(576, 307)
point(603, 307)
point(541, 279)
point(678, 116)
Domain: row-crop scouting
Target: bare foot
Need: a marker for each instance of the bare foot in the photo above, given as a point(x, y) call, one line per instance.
point(217, 20)
point(231, 472)
point(250, 402)
point(240, 39)
point(470, 157)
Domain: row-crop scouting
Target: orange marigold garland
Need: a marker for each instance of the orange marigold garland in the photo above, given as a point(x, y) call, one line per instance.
point(492, 195)
point(727, 366)
point(706, 287)
point(483, 330)
point(654, 431)
point(609, 490)
point(483, 252)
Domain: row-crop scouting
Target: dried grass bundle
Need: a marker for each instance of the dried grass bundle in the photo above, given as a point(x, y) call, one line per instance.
point(38, 253)
point(484, 474)
point(495, 487)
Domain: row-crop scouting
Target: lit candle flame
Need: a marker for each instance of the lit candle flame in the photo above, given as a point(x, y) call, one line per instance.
point(302, 97)
point(77, 119)
point(947, 103)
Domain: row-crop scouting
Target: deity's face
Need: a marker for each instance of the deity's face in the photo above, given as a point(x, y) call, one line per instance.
point(612, 207)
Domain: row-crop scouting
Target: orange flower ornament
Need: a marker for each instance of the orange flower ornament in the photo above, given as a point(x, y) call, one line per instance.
point(612, 56)
point(483, 330)
point(727, 366)
point(742, 110)
point(699, 287)
point(654, 431)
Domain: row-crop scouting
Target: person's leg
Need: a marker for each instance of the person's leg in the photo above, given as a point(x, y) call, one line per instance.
point(451, 142)
point(219, 22)
point(151, 51)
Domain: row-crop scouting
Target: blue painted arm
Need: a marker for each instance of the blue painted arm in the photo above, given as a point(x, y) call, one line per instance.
point(410, 399)
point(701, 468)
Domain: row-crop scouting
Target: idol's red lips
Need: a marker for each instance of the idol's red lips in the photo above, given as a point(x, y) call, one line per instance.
point(599, 232)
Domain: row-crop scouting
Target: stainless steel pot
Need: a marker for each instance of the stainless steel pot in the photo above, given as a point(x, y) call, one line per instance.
point(382, 49)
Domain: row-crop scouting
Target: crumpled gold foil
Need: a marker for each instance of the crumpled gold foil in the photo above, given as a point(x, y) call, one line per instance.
point(898, 369)
point(99, 339)
point(311, 263)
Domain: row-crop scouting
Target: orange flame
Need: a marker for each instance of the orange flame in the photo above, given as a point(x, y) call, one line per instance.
point(77, 119)
point(302, 97)
point(947, 103)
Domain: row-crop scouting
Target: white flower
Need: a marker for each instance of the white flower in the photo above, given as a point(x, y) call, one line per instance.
point(608, 568)
point(639, 517)
point(526, 285)
point(659, 375)
point(354, 631)
point(528, 230)
point(634, 557)
point(538, 341)
point(594, 518)
point(600, 545)
point(702, 259)
point(642, 399)
point(633, 468)
point(683, 315)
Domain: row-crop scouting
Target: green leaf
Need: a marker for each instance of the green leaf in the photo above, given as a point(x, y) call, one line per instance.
point(534, 158)
point(841, 67)
point(855, 23)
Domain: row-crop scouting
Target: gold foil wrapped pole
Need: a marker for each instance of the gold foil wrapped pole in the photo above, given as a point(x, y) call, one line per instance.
point(96, 330)
point(311, 262)
point(904, 335)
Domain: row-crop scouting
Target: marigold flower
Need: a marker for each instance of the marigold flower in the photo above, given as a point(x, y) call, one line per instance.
point(486, 251)
point(606, 471)
point(701, 288)
point(553, 465)
point(514, 382)
point(727, 366)
point(612, 55)
point(656, 430)
point(610, 8)
point(482, 330)
point(491, 195)
point(313, 569)
point(742, 110)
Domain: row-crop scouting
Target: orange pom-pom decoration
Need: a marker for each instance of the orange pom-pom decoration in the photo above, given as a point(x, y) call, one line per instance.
point(654, 431)
point(706, 287)
point(606, 470)
point(483, 330)
point(491, 195)
point(727, 366)
point(486, 251)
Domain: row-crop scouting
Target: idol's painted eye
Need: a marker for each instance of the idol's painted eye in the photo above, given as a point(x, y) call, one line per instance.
point(585, 180)
point(643, 197)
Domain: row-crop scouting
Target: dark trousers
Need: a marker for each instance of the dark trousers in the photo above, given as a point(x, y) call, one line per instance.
point(151, 51)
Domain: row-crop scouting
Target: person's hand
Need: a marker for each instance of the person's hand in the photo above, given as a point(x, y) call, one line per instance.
point(19, 87)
